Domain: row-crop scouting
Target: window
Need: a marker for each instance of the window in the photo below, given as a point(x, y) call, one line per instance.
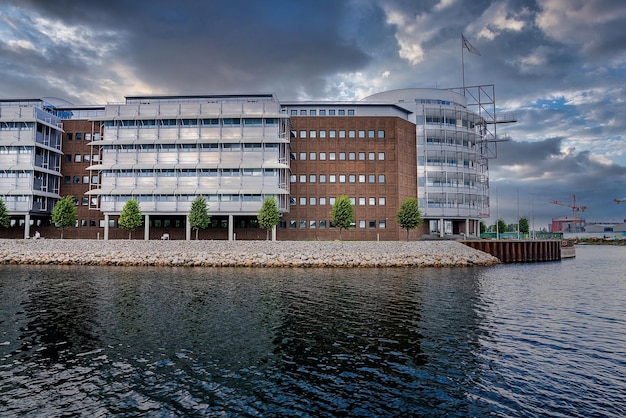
point(371, 178)
point(372, 224)
point(77, 158)
point(342, 112)
point(350, 112)
point(322, 201)
point(322, 133)
point(302, 112)
point(362, 224)
point(352, 178)
point(372, 201)
point(381, 178)
point(361, 201)
point(302, 224)
point(79, 136)
point(382, 224)
point(332, 178)
point(332, 134)
point(312, 178)
point(323, 224)
point(312, 224)
point(292, 178)
point(303, 201)
point(312, 201)
point(294, 112)
point(371, 156)
point(68, 158)
point(342, 134)
point(361, 178)
point(322, 178)
point(85, 179)
point(370, 134)
point(312, 112)
point(84, 202)
point(331, 112)
point(76, 179)
point(381, 134)
point(322, 156)
point(332, 201)
point(312, 134)
point(68, 180)
point(361, 156)
point(351, 156)
point(361, 134)
point(381, 201)
point(68, 136)
point(322, 112)
point(381, 156)
point(342, 178)
point(303, 156)
point(302, 178)
point(86, 158)
point(292, 224)
point(351, 134)
point(303, 134)
point(342, 156)
point(94, 179)
point(312, 156)
point(332, 156)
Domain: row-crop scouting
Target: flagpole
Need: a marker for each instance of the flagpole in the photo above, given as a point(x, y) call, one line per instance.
point(463, 63)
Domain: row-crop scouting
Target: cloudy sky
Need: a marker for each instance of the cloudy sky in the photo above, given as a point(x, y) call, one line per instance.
point(559, 65)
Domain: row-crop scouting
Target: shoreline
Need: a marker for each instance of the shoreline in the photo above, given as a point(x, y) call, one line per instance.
point(207, 253)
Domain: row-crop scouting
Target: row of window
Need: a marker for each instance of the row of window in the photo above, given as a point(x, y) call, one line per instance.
point(321, 112)
point(85, 158)
point(351, 133)
point(322, 224)
point(186, 198)
point(332, 156)
point(16, 150)
point(323, 201)
point(211, 122)
point(193, 172)
point(332, 178)
point(78, 136)
point(213, 147)
point(77, 180)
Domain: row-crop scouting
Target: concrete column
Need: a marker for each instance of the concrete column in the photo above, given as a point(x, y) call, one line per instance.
point(467, 228)
point(106, 227)
point(441, 227)
point(146, 232)
point(187, 228)
point(27, 226)
point(231, 228)
point(274, 233)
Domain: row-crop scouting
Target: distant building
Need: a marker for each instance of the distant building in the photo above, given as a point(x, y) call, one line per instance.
point(568, 225)
point(238, 149)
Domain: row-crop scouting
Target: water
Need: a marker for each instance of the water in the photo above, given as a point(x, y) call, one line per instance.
point(514, 340)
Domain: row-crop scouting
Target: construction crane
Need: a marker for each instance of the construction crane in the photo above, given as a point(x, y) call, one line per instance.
point(618, 201)
point(575, 208)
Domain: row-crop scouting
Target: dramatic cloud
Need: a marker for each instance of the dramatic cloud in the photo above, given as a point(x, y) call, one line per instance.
point(559, 65)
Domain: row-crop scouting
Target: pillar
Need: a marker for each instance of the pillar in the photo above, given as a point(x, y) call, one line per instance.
point(274, 233)
point(467, 228)
point(187, 228)
point(231, 227)
point(441, 225)
point(27, 226)
point(106, 227)
point(146, 232)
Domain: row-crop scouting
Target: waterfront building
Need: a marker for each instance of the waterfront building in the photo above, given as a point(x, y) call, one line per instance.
point(238, 149)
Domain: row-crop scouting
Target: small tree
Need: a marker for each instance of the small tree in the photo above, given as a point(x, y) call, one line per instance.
point(342, 213)
point(131, 217)
point(198, 214)
point(268, 216)
point(523, 226)
point(501, 226)
point(64, 213)
point(409, 216)
point(483, 227)
point(4, 215)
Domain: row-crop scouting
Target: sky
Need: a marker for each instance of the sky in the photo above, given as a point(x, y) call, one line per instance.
point(558, 65)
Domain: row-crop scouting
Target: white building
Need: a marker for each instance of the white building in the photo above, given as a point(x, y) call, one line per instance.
point(30, 159)
point(456, 136)
point(165, 151)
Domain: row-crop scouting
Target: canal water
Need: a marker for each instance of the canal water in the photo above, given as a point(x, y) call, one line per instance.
point(544, 339)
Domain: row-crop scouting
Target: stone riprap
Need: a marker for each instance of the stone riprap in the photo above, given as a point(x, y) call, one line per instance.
point(242, 253)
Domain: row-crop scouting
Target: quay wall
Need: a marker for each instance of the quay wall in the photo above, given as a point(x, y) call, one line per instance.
point(519, 251)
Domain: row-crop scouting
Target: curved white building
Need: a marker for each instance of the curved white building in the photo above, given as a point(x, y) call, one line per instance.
point(455, 135)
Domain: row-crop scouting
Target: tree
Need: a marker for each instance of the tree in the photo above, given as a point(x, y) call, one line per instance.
point(523, 226)
point(131, 217)
point(409, 216)
point(268, 216)
point(501, 226)
point(198, 214)
point(64, 213)
point(342, 213)
point(4, 215)
point(483, 227)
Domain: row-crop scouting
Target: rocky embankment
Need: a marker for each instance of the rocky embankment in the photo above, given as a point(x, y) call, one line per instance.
point(243, 253)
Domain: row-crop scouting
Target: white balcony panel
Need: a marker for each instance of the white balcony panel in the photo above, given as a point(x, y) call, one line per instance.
point(166, 182)
point(170, 110)
point(126, 182)
point(210, 133)
point(127, 158)
point(231, 133)
point(251, 206)
point(210, 158)
point(166, 206)
point(231, 183)
point(211, 183)
point(188, 157)
point(126, 134)
point(189, 133)
point(148, 134)
point(146, 158)
point(146, 182)
point(230, 159)
point(253, 132)
point(168, 133)
point(168, 157)
point(210, 109)
point(188, 182)
point(231, 108)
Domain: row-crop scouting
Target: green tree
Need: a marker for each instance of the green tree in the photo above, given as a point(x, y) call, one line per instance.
point(483, 227)
point(4, 215)
point(131, 217)
point(524, 228)
point(64, 213)
point(501, 226)
point(342, 213)
point(268, 216)
point(198, 214)
point(409, 216)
